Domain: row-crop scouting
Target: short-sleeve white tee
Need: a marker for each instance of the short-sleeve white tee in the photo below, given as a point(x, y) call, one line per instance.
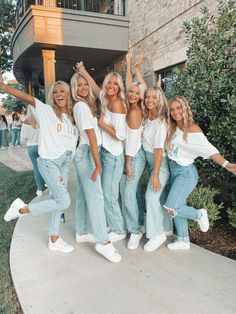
point(185, 152)
point(154, 135)
point(85, 121)
point(55, 136)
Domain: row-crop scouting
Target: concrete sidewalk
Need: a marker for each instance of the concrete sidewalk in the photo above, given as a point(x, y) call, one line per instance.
point(83, 282)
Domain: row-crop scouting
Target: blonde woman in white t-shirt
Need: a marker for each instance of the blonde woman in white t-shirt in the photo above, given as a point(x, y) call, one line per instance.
point(185, 143)
point(90, 200)
point(113, 124)
point(154, 136)
point(57, 141)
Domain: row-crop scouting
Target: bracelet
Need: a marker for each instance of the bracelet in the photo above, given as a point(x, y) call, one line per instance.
point(225, 163)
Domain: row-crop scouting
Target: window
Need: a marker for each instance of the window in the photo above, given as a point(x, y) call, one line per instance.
point(168, 76)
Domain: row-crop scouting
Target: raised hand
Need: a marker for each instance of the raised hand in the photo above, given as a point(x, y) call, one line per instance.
point(78, 66)
point(139, 60)
point(129, 55)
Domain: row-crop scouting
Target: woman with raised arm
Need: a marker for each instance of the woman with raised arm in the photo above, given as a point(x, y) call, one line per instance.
point(90, 200)
point(154, 137)
point(134, 154)
point(57, 143)
point(113, 125)
point(186, 142)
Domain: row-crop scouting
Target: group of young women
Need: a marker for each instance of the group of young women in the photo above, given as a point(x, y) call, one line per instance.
point(134, 131)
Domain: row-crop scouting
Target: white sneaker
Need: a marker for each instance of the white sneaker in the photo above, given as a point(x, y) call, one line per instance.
point(13, 211)
point(168, 233)
point(60, 245)
point(109, 252)
point(113, 237)
point(154, 243)
point(179, 245)
point(203, 222)
point(39, 192)
point(88, 237)
point(134, 239)
point(18, 146)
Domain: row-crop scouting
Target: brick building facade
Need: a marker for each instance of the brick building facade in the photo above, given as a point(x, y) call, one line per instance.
point(156, 27)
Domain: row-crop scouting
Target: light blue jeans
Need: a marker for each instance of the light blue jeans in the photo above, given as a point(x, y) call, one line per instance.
point(183, 180)
point(90, 200)
point(132, 214)
point(157, 220)
point(3, 138)
point(55, 174)
point(33, 154)
point(15, 133)
point(113, 167)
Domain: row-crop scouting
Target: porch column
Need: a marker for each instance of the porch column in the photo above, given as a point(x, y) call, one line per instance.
point(48, 70)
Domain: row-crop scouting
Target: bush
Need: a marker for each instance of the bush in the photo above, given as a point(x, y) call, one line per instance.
point(203, 197)
point(209, 82)
point(232, 212)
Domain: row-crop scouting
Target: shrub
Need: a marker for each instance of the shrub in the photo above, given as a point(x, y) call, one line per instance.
point(232, 212)
point(203, 197)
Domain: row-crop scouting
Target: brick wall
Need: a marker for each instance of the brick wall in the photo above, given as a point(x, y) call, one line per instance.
point(156, 28)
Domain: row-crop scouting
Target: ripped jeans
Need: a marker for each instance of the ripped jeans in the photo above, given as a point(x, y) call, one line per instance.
point(55, 174)
point(183, 180)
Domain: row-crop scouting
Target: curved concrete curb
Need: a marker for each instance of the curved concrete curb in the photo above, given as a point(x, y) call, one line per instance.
point(83, 282)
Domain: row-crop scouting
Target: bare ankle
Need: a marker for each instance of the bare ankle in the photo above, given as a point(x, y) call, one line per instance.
point(24, 210)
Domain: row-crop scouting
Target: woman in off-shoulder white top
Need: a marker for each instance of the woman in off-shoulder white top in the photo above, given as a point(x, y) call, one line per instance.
point(185, 143)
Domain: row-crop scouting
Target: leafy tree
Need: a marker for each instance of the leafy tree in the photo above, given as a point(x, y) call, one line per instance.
point(11, 103)
point(209, 82)
point(7, 23)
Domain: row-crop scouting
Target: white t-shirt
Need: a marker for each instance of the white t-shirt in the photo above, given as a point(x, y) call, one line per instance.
point(133, 141)
point(29, 135)
point(55, 136)
point(154, 135)
point(118, 122)
point(85, 121)
point(16, 124)
point(184, 152)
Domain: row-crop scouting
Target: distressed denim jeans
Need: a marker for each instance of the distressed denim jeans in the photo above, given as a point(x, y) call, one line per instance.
point(33, 154)
point(183, 180)
point(132, 214)
point(90, 200)
point(113, 167)
point(156, 222)
point(55, 174)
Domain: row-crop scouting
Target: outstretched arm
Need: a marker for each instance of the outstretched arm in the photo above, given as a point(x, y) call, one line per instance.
point(220, 160)
point(16, 93)
point(129, 77)
point(81, 68)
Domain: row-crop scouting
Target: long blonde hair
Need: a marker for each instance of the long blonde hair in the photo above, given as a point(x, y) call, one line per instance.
point(141, 89)
point(121, 93)
point(90, 99)
point(162, 103)
point(187, 116)
point(55, 108)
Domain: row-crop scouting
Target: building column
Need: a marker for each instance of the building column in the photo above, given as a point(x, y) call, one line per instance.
point(28, 81)
point(49, 3)
point(48, 70)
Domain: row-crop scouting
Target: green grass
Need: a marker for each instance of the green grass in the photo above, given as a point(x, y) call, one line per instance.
point(12, 184)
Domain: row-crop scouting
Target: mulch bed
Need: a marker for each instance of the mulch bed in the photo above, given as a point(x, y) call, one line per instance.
point(220, 239)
